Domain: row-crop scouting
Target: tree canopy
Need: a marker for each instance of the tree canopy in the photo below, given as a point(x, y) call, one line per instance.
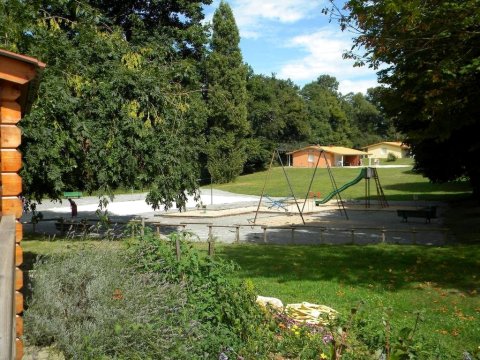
point(226, 77)
point(112, 112)
point(142, 95)
point(428, 53)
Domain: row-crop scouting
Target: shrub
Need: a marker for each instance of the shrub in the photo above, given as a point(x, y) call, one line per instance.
point(391, 157)
point(91, 305)
point(142, 303)
point(225, 309)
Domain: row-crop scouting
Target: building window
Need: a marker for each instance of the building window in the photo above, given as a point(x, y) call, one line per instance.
point(384, 151)
point(310, 158)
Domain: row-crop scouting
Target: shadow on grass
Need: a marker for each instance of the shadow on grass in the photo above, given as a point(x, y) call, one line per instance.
point(395, 266)
point(427, 187)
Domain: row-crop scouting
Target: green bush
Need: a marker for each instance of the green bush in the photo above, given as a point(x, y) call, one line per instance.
point(391, 157)
point(225, 309)
point(91, 304)
point(142, 303)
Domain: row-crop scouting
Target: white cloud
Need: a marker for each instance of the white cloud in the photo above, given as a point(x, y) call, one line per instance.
point(355, 86)
point(324, 50)
point(283, 11)
point(251, 15)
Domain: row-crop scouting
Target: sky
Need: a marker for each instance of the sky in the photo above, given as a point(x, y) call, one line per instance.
point(294, 40)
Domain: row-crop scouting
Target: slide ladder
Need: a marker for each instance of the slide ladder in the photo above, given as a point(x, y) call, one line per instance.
point(362, 175)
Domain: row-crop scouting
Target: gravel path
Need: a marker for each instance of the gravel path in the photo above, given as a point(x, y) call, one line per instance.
point(231, 216)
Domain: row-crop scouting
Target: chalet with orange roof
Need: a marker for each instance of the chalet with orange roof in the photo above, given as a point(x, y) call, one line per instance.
point(308, 157)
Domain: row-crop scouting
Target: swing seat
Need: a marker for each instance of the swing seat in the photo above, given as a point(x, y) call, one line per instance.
point(278, 203)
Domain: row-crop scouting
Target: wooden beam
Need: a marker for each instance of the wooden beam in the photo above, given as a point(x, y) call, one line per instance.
point(11, 205)
point(11, 184)
point(10, 112)
point(10, 136)
point(18, 231)
point(18, 302)
point(10, 160)
point(19, 325)
point(9, 91)
point(18, 279)
point(18, 255)
point(16, 71)
point(18, 349)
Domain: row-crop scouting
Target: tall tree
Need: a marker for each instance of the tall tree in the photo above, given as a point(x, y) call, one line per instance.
point(278, 116)
point(227, 99)
point(431, 49)
point(329, 121)
point(111, 113)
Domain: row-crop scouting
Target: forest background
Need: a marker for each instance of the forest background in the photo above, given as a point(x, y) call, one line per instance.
point(147, 95)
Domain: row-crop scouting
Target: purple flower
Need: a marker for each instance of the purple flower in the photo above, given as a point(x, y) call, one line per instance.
point(327, 339)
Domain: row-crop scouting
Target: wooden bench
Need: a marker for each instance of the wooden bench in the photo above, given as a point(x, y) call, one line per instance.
point(72, 194)
point(428, 213)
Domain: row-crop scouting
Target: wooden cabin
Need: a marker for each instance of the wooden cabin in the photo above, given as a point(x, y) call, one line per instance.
point(333, 156)
point(18, 81)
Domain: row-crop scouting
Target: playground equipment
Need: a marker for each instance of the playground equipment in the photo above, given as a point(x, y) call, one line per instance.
point(367, 174)
point(336, 192)
point(278, 203)
point(328, 197)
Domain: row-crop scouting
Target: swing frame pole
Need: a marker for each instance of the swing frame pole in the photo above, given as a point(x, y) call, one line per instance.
point(264, 186)
point(311, 180)
point(290, 186)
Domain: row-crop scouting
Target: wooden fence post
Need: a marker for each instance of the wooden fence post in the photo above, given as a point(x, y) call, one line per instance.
point(237, 233)
point(321, 234)
point(211, 250)
point(177, 248)
point(264, 227)
point(383, 231)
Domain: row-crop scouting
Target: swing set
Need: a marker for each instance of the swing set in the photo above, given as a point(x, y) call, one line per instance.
point(282, 203)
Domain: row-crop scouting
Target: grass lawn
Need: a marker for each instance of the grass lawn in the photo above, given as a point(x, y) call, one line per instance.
point(442, 282)
point(398, 184)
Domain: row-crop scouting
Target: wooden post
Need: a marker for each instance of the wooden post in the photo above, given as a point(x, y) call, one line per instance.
point(142, 229)
point(157, 228)
point(292, 238)
point(211, 250)
point(264, 234)
point(177, 248)
point(414, 236)
point(237, 233)
point(383, 231)
point(16, 71)
point(352, 231)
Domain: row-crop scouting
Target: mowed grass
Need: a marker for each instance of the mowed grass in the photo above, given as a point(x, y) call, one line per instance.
point(400, 184)
point(443, 283)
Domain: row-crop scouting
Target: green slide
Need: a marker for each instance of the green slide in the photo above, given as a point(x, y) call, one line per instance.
point(327, 198)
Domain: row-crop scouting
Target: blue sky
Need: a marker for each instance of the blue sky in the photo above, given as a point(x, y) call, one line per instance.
point(294, 40)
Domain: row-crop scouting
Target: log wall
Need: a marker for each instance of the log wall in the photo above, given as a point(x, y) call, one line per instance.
point(16, 72)
point(11, 188)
